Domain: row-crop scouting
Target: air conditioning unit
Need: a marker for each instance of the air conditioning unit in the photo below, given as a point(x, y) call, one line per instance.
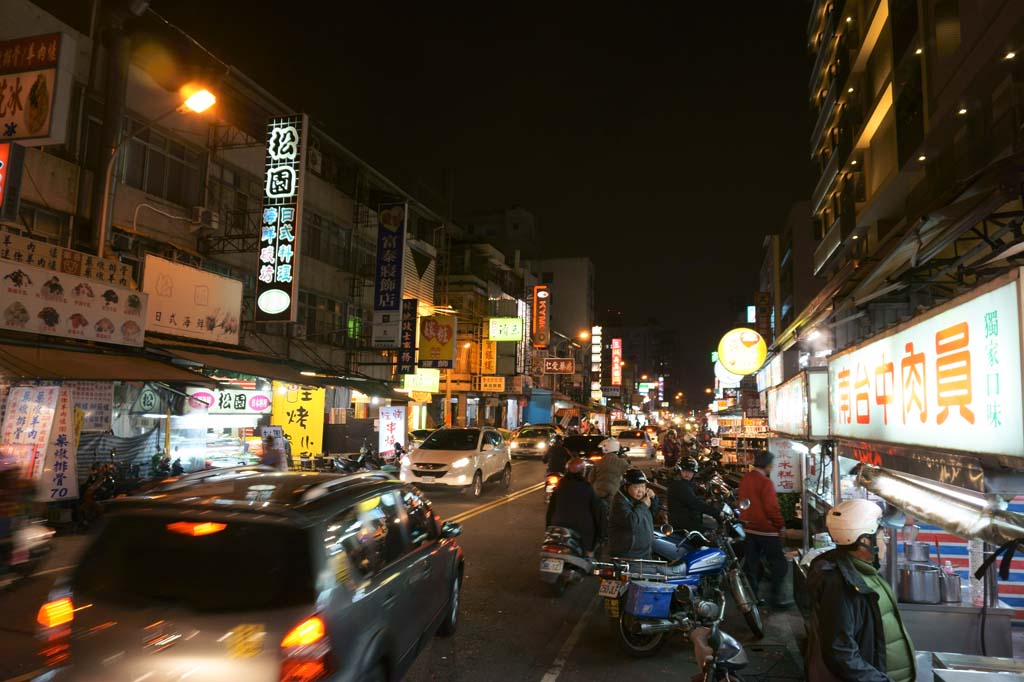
point(298, 331)
point(123, 243)
point(204, 219)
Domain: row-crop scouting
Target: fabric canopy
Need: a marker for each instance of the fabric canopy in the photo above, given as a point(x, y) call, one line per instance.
point(35, 362)
point(243, 362)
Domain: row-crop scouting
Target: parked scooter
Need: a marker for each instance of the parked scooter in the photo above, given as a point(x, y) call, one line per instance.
point(562, 559)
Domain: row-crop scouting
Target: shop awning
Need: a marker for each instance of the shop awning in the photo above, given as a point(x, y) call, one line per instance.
point(238, 361)
point(35, 362)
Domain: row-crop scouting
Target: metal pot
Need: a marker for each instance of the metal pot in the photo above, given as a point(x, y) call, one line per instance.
point(919, 584)
point(949, 588)
point(917, 551)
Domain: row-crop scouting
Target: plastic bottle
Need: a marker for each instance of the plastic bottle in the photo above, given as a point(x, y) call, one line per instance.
point(948, 568)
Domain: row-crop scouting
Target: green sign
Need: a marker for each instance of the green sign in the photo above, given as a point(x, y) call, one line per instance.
point(505, 329)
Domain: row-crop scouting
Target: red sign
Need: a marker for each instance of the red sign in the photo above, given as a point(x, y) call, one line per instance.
point(559, 366)
point(541, 316)
point(616, 362)
point(5, 163)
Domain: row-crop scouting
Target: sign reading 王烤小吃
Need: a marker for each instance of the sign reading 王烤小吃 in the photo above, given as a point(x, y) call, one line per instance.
point(277, 275)
point(950, 379)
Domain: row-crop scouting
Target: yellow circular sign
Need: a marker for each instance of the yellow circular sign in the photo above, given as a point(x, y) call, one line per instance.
point(742, 351)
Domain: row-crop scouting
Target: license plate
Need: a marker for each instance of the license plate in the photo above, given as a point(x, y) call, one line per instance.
point(609, 588)
point(427, 479)
point(551, 565)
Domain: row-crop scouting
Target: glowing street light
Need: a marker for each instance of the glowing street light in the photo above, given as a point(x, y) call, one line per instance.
point(198, 102)
point(584, 335)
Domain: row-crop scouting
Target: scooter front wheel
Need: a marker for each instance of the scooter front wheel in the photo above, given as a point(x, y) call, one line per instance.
point(637, 644)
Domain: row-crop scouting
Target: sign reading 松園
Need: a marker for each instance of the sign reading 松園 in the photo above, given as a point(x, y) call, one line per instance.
point(227, 401)
point(950, 380)
point(277, 275)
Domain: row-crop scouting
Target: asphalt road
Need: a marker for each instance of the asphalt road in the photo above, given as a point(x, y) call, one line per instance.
point(511, 628)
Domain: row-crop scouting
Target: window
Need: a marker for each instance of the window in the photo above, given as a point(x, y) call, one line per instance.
point(321, 315)
point(491, 438)
point(43, 224)
point(364, 539)
point(452, 439)
point(422, 527)
point(234, 194)
point(160, 166)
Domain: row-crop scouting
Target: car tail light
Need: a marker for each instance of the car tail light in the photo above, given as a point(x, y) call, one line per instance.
point(556, 549)
point(306, 652)
point(58, 612)
point(596, 458)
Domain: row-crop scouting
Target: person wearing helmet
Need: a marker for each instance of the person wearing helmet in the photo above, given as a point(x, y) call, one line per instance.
point(557, 455)
point(686, 509)
point(764, 526)
point(609, 470)
point(671, 450)
point(575, 505)
point(631, 528)
point(855, 629)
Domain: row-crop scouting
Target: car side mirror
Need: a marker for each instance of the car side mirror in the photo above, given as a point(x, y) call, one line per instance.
point(450, 529)
point(487, 447)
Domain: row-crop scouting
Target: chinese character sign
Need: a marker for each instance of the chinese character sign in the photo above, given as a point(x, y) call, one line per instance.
point(488, 357)
point(277, 273)
point(787, 407)
point(299, 411)
point(541, 316)
point(787, 474)
point(187, 302)
point(616, 362)
point(59, 477)
point(387, 289)
point(95, 400)
point(559, 365)
point(950, 381)
point(227, 401)
point(505, 329)
point(492, 384)
point(33, 89)
point(437, 341)
point(26, 430)
point(407, 347)
point(392, 429)
point(423, 381)
point(39, 301)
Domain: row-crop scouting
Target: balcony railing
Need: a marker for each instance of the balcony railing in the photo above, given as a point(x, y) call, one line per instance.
point(825, 182)
point(824, 115)
point(828, 246)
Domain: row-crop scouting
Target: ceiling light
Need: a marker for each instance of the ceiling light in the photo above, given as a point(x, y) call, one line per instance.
point(849, 19)
point(850, 89)
point(918, 51)
point(856, 236)
point(854, 162)
point(963, 110)
point(1010, 55)
point(922, 158)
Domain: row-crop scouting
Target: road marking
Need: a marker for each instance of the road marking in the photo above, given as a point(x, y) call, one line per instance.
point(470, 513)
point(27, 676)
point(563, 654)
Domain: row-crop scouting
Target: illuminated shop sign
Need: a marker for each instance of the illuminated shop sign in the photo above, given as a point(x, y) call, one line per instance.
point(505, 329)
point(541, 316)
point(616, 362)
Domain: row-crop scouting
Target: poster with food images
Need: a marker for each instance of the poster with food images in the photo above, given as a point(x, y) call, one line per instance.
point(38, 301)
point(35, 82)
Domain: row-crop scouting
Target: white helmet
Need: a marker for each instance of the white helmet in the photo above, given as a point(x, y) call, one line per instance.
point(848, 520)
point(609, 446)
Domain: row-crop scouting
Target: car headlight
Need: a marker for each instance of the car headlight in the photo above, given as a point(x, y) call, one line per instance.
point(514, 445)
point(406, 461)
point(543, 445)
point(461, 462)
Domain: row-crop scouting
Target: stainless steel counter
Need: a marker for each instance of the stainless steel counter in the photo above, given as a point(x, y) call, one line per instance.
point(956, 628)
point(949, 667)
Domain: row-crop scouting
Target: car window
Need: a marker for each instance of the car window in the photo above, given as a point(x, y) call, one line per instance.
point(534, 433)
point(452, 439)
point(492, 438)
point(498, 438)
point(422, 528)
point(369, 534)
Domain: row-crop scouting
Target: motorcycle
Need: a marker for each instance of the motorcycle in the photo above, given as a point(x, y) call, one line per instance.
point(29, 542)
point(651, 599)
point(562, 559)
point(551, 482)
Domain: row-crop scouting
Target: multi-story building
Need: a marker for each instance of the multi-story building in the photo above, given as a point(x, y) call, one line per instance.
point(787, 271)
point(513, 230)
point(572, 292)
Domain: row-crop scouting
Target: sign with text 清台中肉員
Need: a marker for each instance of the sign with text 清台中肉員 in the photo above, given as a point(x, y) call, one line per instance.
point(40, 301)
point(488, 357)
point(950, 380)
point(407, 342)
point(277, 274)
point(616, 362)
point(541, 316)
point(437, 341)
point(787, 472)
point(391, 429)
point(35, 88)
point(559, 365)
point(425, 380)
point(227, 401)
point(389, 275)
point(505, 329)
point(187, 302)
point(492, 384)
point(299, 411)
point(742, 351)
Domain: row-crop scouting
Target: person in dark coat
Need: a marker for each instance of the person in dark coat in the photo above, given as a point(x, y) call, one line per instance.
point(557, 456)
point(631, 532)
point(576, 506)
point(685, 508)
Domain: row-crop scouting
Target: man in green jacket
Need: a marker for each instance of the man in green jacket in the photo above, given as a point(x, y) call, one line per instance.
point(855, 632)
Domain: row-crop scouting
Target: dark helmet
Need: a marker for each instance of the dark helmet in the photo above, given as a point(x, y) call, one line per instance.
point(689, 464)
point(633, 477)
point(763, 458)
point(576, 466)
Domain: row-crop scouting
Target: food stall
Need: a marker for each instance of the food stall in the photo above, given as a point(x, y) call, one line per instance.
point(927, 418)
point(218, 427)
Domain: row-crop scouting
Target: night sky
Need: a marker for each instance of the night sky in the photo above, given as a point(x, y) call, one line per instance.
point(662, 139)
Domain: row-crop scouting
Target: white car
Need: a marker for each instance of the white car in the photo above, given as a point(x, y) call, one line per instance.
point(638, 443)
point(459, 458)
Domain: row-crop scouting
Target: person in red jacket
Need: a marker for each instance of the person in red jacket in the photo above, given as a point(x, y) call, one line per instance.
point(764, 527)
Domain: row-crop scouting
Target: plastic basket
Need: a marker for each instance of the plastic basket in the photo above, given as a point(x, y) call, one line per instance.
point(646, 599)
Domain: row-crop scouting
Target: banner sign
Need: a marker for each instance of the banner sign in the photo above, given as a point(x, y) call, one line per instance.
point(387, 288)
point(407, 350)
point(787, 474)
point(541, 316)
point(492, 384)
point(27, 422)
point(423, 381)
point(299, 411)
point(742, 351)
point(505, 329)
point(437, 341)
point(787, 408)
point(559, 366)
point(51, 257)
point(488, 357)
point(227, 401)
point(392, 429)
point(188, 302)
point(95, 399)
point(950, 380)
point(35, 82)
point(277, 276)
point(616, 363)
point(41, 302)
point(59, 477)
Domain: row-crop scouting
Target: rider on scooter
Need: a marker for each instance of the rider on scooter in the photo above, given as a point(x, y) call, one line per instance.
point(557, 456)
point(632, 519)
point(575, 505)
point(685, 509)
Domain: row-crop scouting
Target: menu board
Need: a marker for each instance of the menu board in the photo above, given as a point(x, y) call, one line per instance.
point(26, 428)
point(58, 479)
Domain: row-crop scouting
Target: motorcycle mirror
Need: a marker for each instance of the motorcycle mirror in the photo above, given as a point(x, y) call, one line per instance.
point(667, 528)
point(743, 504)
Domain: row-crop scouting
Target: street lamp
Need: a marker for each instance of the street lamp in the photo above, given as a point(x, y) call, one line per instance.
point(708, 391)
point(196, 103)
point(584, 335)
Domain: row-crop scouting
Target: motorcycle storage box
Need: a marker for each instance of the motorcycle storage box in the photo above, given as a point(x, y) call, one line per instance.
point(649, 599)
